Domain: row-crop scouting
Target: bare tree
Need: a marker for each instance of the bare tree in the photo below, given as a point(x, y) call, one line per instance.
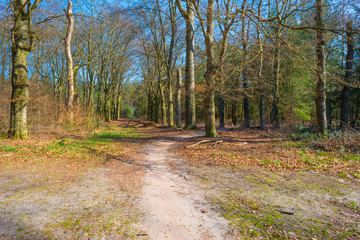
point(320, 71)
point(190, 107)
point(345, 97)
point(69, 61)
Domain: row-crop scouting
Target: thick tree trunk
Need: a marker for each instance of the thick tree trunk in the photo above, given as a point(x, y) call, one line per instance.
point(69, 62)
point(345, 97)
point(321, 72)
point(178, 97)
point(190, 108)
point(209, 111)
point(19, 80)
point(22, 43)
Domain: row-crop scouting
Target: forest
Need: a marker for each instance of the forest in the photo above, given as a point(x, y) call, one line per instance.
point(180, 119)
point(249, 63)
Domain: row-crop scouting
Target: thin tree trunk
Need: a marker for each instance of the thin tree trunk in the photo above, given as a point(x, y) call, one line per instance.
point(329, 112)
point(163, 104)
point(356, 117)
point(260, 78)
point(345, 97)
point(170, 65)
point(107, 105)
point(157, 107)
point(118, 104)
point(275, 108)
point(234, 108)
point(321, 72)
point(99, 101)
point(178, 98)
point(221, 110)
point(245, 78)
point(190, 108)
point(3, 62)
point(69, 62)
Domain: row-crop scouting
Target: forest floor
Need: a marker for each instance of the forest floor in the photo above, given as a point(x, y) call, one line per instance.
point(122, 181)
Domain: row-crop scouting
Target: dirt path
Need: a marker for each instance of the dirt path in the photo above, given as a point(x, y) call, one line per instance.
point(174, 206)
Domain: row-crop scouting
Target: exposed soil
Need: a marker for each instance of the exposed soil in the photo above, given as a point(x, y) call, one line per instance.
point(142, 183)
point(175, 207)
point(266, 190)
point(74, 187)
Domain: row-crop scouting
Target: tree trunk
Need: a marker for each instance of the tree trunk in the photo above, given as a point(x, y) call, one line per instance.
point(99, 101)
point(321, 72)
point(329, 112)
point(234, 107)
point(118, 105)
point(345, 97)
point(178, 98)
point(163, 104)
point(260, 78)
point(69, 62)
point(275, 108)
point(107, 105)
point(245, 79)
point(157, 107)
point(190, 110)
point(22, 43)
point(221, 110)
point(3, 61)
point(170, 65)
point(209, 111)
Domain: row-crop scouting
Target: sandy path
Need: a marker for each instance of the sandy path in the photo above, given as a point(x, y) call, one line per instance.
point(173, 204)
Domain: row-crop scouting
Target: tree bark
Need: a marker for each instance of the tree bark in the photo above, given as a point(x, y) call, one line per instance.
point(178, 98)
point(163, 104)
point(245, 78)
point(329, 112)
point(22, 44)
point(276, 72)
point(190, 107)
point(234, 107)
point(210, 128)
point(321, 72)
point(260, 78)
point(170, 64)
point(69, 62)
point(345, 97)
point(221, 110)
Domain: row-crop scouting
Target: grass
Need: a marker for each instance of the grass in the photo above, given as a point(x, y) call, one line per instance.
point(83, 147)
point(250, 218)
point(41, 170)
